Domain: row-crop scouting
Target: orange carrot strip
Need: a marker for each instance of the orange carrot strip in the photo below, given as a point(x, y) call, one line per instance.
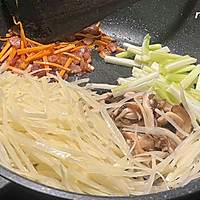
point(91, 46)
point(29, 50)
point(8, 35)
point(91, 67)
point(34, 42)
point(11, 56)
point(38, 55)
point(51, 64)
point(46, 66)
point(25, 63)
point(6, 55)
point(100, 43)
point(32, 56)
point(62, 72)
point(107, 38)
point(64, 43)
point(67, 48)
point(98, 24)
point(60, 46)
point(68, 63)
point(77, 48)
point(22, 47)
point(75, 42)
point(3, 39)
point(22, 34)
point(120, 49)
point(6, 47)
point(72, 55)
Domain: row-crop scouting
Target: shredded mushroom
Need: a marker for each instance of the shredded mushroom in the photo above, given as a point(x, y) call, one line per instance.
point(143, 110)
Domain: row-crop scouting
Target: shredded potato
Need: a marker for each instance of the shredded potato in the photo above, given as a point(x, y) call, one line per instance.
point(59, 135)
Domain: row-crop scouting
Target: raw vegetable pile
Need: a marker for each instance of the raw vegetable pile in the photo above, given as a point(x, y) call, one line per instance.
point(155, 68)
point(71, 57)
point(61, 134)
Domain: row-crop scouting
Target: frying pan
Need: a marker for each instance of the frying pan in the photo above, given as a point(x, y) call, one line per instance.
point(169, 22)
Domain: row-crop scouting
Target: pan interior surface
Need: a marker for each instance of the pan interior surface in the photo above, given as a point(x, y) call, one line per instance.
point(169, 23)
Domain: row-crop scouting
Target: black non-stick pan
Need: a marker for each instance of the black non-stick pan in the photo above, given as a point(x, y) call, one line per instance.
point(170, 22)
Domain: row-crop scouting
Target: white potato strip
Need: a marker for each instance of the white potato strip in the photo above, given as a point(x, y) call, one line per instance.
point(4, 156)
point(143, 113)
point(25, 159)
point(49, 125)
point(11, 152)
point(59, 135)
point(39, 70)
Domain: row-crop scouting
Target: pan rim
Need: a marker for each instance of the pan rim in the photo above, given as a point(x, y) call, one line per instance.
point(179, 192)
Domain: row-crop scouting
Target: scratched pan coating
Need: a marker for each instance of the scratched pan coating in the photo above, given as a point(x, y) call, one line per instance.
point(168, 22)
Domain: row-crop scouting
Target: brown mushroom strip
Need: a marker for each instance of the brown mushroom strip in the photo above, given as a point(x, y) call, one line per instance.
point(134, 107)
point(181, 112)
point(123, 113)
point(147, 143)
point(161, 104)
point(163, 121)
point(167, 107)
point(178, 127)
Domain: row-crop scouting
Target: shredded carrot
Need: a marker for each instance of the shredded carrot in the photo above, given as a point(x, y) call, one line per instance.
point(46, 66)
point(8, 35)
point(108, 38)
point(62, 72)
point(34, 42)
point(5, 48)
point(29, 50)
point(6, 55)
point(39, 55)
point(120, 49)
point(22, 47)
point(26, 63)
point(33, 55)
point(90, 46)
point(77, 48)
point(67, 48)
point(60, 46)
point(64, 43)
point(91, 67)
point(22, 34)
point(98, 24)
point(68, 63)
point(72, 55)
point(100, 43)
point(51, 64)
point(11, 56)
point(3, 39)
